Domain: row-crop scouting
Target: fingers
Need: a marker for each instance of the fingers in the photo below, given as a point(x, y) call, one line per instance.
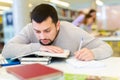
point(52, 49)
point(84, 55)
point(55, 49)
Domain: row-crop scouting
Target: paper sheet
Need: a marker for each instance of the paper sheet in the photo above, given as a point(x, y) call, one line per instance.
point(85, 64)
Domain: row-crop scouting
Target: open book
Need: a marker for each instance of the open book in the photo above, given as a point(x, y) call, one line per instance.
point(60, 55)
point(41, 53)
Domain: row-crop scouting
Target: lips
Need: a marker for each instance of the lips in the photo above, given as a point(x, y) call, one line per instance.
point(45, 41)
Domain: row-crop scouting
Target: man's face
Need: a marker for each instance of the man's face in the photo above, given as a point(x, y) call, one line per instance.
point(46, 31)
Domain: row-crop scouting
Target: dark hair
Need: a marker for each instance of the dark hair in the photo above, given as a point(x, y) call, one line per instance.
point(91, 11)
point(42, 12)
point(87, 16)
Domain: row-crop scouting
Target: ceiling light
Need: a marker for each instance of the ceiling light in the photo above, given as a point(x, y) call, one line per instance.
point(30, 5)
point(4, 8)
point(7, 1)
point(99, 2)
point(58, 2)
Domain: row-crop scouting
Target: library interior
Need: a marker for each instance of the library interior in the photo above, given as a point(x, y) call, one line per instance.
point(99, 18)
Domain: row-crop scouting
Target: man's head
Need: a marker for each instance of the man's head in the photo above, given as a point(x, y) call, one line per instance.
point(45, 23)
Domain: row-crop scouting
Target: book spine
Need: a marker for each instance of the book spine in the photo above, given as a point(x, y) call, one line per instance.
point(40, 62)
point(35, 59)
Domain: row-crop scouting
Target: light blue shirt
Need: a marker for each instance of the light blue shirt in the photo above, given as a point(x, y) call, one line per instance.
point(78, 20)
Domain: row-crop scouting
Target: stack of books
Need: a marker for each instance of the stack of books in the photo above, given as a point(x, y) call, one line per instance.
point(41, 57)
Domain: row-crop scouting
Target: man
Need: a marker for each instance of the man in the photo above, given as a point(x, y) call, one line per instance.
point(47, 33)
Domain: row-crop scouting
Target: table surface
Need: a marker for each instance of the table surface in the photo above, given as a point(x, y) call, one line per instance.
point(111, 38)
point(111, 68)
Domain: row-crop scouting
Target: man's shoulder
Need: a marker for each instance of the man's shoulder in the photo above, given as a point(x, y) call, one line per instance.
point(27, 29)
point(65, 22)
point(68, 25)
point(29, 25)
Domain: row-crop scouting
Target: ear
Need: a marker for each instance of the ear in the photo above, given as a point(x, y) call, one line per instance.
point(58, 25)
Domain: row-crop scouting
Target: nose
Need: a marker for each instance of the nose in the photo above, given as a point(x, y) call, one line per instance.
point(42, 35)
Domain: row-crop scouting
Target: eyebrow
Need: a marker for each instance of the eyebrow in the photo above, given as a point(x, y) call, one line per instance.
point(35, 29)
point(40, 31)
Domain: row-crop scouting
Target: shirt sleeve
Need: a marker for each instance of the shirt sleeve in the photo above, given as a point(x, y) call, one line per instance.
point(23, 43)
point(100, 49)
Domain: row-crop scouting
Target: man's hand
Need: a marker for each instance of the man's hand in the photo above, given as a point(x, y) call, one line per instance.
point(84, 54)
point(52, 49)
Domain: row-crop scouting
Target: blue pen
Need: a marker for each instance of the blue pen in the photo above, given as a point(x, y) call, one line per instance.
point(81, 42)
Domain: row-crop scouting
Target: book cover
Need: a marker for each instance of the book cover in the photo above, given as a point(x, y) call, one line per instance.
point(11, 62)
point(69, 76)
point(7, 61)
point(35, 72)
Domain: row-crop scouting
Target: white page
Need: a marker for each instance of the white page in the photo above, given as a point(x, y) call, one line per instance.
point(85, 64)
point(35, 59)
point(65, 54)
point(41, 53)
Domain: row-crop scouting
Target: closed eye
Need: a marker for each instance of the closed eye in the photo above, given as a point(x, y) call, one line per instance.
point(48, 30)
point(37, 31)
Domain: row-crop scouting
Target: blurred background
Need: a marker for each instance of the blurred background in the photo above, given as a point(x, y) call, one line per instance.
point(14, 15)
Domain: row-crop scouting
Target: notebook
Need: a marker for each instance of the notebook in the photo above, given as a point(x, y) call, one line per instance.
point(35, 72)
point(85, 64)
point(70, 76)
point(8, 62)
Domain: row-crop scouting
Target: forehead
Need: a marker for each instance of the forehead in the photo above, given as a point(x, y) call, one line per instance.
point(43, 25)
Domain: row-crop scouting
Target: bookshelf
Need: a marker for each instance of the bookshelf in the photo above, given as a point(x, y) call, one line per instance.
point(1, 33)
point(1, 29)
point(66, 13)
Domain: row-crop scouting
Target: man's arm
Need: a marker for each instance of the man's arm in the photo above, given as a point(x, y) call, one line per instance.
point(102, 51)
point(23, 43)
point(95, 49)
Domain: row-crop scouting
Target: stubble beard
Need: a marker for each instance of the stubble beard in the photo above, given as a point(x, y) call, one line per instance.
point(51, 42)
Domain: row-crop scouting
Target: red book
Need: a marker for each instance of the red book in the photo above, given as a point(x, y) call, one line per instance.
point(35, 72)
